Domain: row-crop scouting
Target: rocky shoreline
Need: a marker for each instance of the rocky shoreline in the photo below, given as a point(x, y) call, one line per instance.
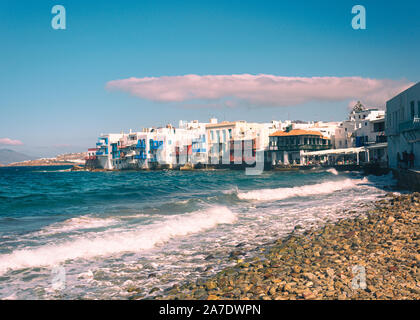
point(375, 256)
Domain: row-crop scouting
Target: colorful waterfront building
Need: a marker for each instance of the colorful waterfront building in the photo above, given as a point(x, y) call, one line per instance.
point(104, 153)
point(164, 147)
point(233, 142)
point(287, 147)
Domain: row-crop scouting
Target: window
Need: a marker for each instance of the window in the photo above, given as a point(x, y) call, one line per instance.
point(212, 135)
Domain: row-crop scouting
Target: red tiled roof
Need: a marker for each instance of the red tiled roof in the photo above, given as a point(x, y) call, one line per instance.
point(297, 132)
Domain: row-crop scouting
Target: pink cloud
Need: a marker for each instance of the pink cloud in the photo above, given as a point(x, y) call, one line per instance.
point(260, 90)
point(10, 142)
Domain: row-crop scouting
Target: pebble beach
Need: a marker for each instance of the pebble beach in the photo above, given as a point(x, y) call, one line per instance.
point(375, 256)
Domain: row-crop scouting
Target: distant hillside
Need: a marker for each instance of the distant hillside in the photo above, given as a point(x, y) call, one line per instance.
point(8, 156)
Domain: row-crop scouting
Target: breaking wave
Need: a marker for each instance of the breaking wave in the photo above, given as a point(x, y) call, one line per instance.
point(107, 243)
point(333, 171)
point(306, 190)
point(77, 223)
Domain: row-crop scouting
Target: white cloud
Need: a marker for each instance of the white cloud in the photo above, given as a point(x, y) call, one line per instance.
point(260, 90)
point(10, 142)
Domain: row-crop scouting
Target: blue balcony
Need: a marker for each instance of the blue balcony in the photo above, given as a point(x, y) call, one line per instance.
point(140, 156)
point(154, 145)
point(102, 142)
point(141, 144)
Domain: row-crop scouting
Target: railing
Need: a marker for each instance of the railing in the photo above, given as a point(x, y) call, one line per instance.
point(410, 125)
point(301, 147)
point(381, 139)
point(202, 150)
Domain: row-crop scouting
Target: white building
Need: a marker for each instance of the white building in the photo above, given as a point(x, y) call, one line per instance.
point(163, 147)
point(237, 142)
point(104, 150)
point(359, 124)
point(403, 126)
point(327, 129)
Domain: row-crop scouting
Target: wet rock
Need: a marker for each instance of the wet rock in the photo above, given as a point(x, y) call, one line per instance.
point(350, 234)
point(153, 290)
point(297, 269)
point(310, 276)
point(390, 220)
point(210, 285)
point(272, 291)
point(235, 254)
point(308, 295)
point(392, 268)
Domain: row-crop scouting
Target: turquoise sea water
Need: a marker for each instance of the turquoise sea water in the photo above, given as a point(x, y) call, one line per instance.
point(112, 231)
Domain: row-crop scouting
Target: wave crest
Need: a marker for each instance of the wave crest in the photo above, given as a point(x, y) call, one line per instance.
point(303, 191)
point(145, 237)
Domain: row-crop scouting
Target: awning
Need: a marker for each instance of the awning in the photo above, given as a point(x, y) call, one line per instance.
point(335, 151)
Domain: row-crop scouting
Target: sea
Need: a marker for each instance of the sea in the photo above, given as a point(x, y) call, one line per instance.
point(109, 235)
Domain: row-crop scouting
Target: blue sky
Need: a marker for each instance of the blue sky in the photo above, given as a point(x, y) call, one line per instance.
point(52, 82)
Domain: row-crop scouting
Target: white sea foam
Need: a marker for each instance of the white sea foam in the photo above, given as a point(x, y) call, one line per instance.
point(108, 243)
point(306, 190)
point(77, 223)
point(333, 171)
